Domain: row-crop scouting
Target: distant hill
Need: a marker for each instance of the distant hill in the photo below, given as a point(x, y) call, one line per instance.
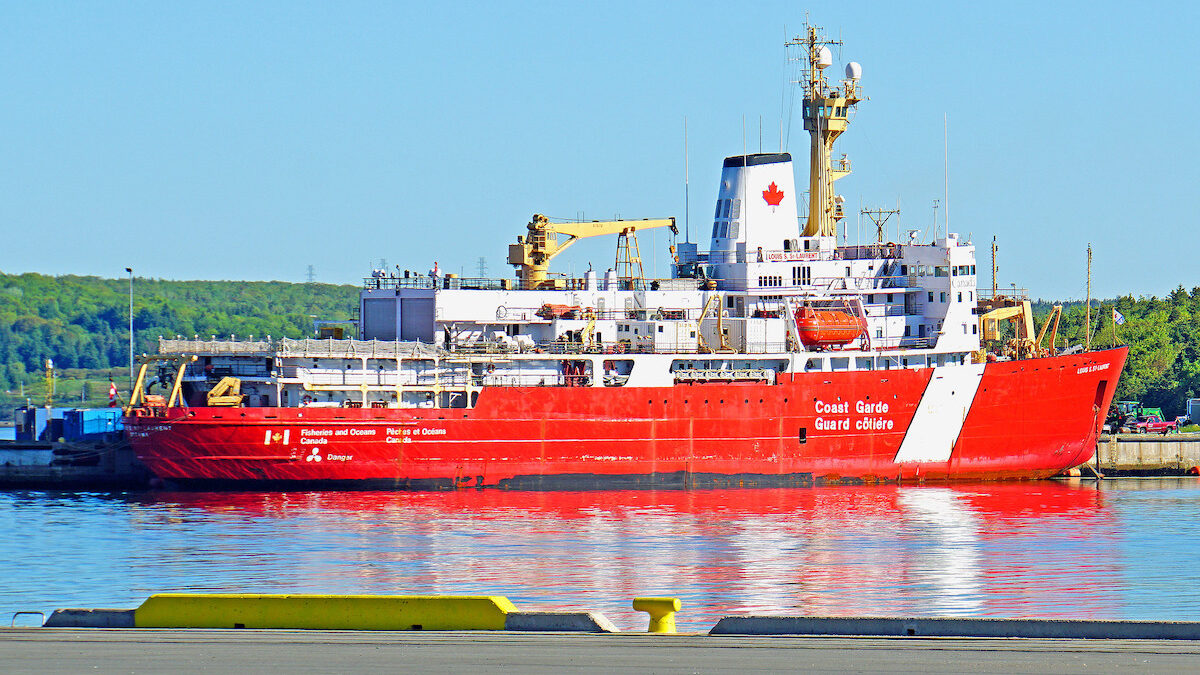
point(83, 322)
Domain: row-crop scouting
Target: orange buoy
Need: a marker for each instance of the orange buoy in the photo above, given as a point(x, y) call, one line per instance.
point(828, 327)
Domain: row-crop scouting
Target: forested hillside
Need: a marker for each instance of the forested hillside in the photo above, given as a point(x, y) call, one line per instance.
point(83, 322)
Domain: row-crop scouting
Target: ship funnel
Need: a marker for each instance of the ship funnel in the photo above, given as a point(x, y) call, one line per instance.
point(756, 209)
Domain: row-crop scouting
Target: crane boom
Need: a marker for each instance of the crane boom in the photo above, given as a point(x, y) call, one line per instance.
point(531, 255)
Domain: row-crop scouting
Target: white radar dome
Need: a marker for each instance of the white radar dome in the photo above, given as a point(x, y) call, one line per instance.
point(853, 71)
point(824, 57)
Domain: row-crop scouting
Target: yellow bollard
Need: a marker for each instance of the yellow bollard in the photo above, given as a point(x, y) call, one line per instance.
point(661, 611)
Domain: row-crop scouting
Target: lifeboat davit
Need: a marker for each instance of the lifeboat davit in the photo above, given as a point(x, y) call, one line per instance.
point(828, 327)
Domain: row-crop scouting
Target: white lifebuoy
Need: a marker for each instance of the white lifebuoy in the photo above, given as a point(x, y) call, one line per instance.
point(501, 312)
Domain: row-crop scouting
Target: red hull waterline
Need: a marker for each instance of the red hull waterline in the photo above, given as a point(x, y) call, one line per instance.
point(1021, 419)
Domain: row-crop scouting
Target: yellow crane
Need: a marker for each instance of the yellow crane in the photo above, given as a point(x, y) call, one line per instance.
point(1025, 342)
point(722, 338)
point(532, 253)
point(227, 392)
point(1054, 316)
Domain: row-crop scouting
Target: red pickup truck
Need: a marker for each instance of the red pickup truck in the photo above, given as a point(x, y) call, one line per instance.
point(1151, 424)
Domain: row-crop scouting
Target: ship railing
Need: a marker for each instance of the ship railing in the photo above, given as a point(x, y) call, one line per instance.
point(632, 347)
point(868, 252)
point(357, 349)
point(214, 346)
point(449, 282)
point(583, 314)
point(725, 375)
point(1011, 292)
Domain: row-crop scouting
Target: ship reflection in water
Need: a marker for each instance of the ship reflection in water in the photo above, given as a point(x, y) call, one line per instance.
point(1040, 549)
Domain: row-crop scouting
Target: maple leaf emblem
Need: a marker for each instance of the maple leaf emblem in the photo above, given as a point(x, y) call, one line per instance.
point(773, 195)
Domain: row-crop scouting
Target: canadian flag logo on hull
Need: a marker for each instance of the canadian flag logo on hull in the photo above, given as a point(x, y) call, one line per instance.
point(773, 195)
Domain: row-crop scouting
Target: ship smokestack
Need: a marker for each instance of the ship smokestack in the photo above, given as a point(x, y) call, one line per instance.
point(756, 209)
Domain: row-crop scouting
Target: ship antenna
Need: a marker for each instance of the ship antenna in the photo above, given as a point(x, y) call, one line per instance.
point(1087, 334)
point(946, 150)
point(687, 212)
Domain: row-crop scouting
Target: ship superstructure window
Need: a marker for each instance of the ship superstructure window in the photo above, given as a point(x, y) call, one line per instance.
point(942, 297)
point(960, 296)
point(847, 271)
point(931, 296)
point(841, 363)
point(861, 363)
point(736, 212)
point(734, 229)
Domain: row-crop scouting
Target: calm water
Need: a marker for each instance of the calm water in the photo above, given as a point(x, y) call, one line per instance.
point(1128, 549)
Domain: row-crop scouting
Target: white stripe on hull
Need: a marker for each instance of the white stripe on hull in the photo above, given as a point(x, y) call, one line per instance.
point(940, 414)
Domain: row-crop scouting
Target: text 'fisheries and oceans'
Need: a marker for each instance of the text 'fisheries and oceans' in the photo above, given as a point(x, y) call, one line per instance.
point(323, 436)
point(866, 423)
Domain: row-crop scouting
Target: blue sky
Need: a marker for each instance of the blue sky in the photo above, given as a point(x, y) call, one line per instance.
point(250, 140)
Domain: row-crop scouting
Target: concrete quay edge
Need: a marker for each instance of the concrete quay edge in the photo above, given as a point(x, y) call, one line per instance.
point(958, 627)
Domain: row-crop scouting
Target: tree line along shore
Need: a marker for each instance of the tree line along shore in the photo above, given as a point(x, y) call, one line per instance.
point(82, 324)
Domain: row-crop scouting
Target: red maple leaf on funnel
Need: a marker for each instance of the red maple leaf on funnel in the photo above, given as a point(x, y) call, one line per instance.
point(773, 194)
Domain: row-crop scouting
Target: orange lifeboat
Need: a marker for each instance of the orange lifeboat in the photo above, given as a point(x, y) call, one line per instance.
point(828, 327)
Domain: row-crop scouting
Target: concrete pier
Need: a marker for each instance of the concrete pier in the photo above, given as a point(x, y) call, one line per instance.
point(40, 650)
point(1148, 454)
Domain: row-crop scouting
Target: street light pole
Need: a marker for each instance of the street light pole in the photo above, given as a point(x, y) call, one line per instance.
point(130, 271)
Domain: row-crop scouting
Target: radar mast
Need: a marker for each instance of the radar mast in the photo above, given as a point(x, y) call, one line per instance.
point(826, 113)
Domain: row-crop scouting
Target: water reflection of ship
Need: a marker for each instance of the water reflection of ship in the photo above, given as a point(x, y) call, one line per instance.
point(986, 550)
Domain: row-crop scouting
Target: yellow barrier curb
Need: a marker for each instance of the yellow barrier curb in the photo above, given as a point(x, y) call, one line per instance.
point(324, 612)
point(662, 612)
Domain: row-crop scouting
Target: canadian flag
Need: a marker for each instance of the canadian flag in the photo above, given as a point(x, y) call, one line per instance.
point(112, 393)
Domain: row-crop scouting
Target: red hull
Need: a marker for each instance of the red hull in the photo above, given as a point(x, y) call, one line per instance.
point(1027, 419)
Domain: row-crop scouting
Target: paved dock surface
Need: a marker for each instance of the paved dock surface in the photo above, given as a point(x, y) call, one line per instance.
point(41, 650)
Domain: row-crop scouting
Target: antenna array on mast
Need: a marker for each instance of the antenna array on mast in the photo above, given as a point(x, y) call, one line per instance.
point(880, 218)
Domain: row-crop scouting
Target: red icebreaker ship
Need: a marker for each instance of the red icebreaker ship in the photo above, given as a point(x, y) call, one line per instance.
point(775, 357)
